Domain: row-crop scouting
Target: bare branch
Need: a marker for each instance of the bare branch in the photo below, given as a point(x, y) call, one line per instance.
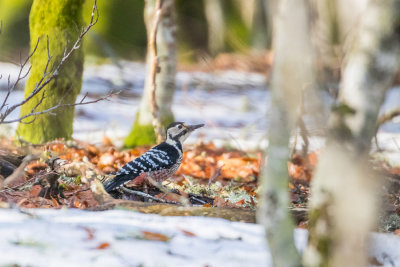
point(155, 68)
point(216, 175)
point(138, 193)
point(83, 98)
point(47, 77)
point(59, 105)
point(388, 116)
point(20, 77)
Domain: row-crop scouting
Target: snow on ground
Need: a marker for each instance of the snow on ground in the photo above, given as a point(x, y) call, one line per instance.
point(59, 238)
point(233, 104)
point(62, 238)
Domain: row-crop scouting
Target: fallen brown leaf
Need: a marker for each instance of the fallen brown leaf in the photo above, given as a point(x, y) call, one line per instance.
point(188, 233)
point(55, 203)
point(35, 190)
point(155, 236)
point(103, 245)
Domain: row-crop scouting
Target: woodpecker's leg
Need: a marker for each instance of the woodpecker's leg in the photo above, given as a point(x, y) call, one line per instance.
point(159, 186)
point(146, 191)
point(145, 188)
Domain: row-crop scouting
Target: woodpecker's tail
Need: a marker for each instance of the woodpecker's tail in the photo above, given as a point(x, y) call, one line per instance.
point(115, 183)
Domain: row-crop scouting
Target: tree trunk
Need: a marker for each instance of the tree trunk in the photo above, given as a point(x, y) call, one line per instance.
point(343, 203)
point(270, 9)
point(261, 31)
point(216, 25)
point(246, 11)
point(142, 132)
point(292, 71)
point(61, 21)
point(335, 27)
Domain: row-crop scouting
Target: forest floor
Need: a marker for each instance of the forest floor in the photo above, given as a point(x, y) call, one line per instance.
point(218, 178)
point(49, 220)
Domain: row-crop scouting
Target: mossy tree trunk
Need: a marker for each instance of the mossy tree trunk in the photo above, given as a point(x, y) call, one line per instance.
point(293, 69)
point(61, 21)
point(142, 132)
point(343, 204)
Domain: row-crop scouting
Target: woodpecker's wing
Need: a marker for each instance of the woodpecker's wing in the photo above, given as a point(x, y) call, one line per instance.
point(162, 156)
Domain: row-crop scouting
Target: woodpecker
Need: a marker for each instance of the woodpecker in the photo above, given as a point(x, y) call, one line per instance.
point(160, 162)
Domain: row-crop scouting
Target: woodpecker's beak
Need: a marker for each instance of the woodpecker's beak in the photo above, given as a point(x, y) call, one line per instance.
point(194, 127)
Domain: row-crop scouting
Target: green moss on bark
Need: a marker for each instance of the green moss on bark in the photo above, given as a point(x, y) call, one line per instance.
point(143, 135)
point(61, 21)
point(321, 242)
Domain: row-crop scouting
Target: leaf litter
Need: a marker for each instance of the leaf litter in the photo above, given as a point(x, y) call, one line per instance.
point(209, 176)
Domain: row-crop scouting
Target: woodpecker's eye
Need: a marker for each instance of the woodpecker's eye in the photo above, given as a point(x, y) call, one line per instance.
point(179, 126)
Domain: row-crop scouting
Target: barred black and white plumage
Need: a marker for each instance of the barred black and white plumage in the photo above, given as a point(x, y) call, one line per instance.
point(160, 162)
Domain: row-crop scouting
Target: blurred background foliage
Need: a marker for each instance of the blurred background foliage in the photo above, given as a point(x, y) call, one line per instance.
point(14, 16)
point(120, 31)
point(121, 34)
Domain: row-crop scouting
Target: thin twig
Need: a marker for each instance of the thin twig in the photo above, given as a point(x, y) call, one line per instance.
point(388, 116)
point(304, 135)
point(303, 130)
point(155, 68)
point(138, 193)
point(76, 191)
point(216, 174)
point(60, 105)
point(184, 200)
point(378, 148)
point(18, 185)
point(384, 118)
point(198, 200)
point(20, 76)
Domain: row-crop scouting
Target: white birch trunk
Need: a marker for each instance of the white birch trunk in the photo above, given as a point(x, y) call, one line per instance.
point(343, 203)
point(336, 23)
point(142, 132)
point(292, 71)
point(166, 50)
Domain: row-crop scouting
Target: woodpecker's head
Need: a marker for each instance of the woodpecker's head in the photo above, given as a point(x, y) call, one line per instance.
point(179, 131)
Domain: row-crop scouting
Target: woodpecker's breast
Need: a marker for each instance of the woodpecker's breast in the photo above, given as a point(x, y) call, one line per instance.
point(161, 175)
